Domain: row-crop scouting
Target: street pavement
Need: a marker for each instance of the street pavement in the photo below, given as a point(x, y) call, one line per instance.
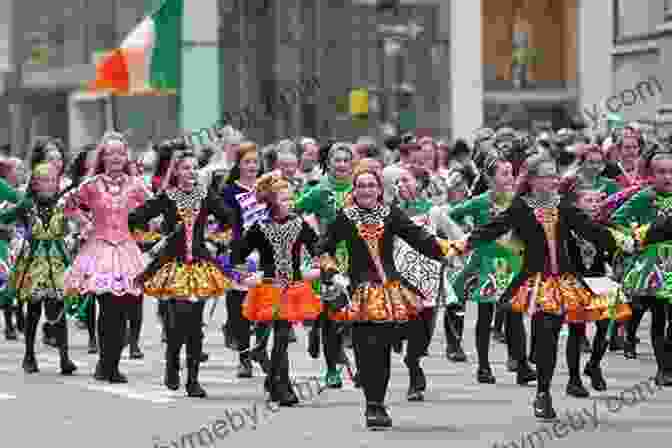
point(47, 409)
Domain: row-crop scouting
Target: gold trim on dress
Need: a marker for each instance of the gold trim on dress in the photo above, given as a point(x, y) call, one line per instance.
point(391, 302)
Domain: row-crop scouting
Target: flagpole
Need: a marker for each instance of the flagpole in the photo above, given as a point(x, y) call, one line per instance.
point(114, 113)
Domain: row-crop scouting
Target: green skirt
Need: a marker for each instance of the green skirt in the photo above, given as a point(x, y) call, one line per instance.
point(649, 274)
point(494, 267)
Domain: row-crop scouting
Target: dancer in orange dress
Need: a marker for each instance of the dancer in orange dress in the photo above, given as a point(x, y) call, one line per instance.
point(284, 295)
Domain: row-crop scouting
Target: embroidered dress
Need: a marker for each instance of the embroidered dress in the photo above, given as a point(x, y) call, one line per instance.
point(378, 292)
point(110, 259)
point(429, 277)
point(43, 258)
point(648, 273)
point(549, 281)
point(282, 294)
point(324, 200)
point(492, 266)
point(185, 270)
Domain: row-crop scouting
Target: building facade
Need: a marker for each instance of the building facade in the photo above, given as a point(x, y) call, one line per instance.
point(445, 66)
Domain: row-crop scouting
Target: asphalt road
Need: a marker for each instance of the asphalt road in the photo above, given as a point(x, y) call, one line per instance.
point(47, 409)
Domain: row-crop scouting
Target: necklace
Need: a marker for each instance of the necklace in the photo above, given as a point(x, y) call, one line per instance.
point(546, 202)
point(113, 185)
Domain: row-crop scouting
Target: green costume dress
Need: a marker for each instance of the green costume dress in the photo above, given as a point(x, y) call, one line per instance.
point(649, 272)
point(324, 200)
point(8, 196)
point(43, 257)
point(491, 267)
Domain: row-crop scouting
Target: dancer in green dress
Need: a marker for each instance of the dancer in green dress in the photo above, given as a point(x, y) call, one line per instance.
point(491, 268)
point(648, 274)
point(11, 176)
point(324, 200)
point(37, 276)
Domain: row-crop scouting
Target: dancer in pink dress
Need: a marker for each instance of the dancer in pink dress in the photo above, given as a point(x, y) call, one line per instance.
point(110, 260)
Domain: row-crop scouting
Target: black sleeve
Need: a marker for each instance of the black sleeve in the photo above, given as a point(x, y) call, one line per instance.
point(139, 217)
point(582, 224)
point(245, 245)
point(416, 237)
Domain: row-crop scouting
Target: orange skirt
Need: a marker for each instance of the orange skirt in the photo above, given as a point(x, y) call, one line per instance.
point(564, 294)
point(201, 280)
point(391, 302)
point(268, 302)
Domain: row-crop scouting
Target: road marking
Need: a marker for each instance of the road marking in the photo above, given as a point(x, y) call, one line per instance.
point(122, 391)
point(7, 397)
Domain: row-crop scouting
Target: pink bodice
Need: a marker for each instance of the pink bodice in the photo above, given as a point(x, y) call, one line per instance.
point(109, 206)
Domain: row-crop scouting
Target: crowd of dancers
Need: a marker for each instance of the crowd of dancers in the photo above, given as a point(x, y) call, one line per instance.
point(365, 243)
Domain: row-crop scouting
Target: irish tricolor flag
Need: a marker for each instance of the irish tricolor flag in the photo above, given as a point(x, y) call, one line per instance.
point(148, 60)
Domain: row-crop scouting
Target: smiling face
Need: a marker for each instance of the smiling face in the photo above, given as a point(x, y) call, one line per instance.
point(310, 156)
point(589, 201)
point(340, 164)
point(249, 165)
point(367, 190)
point(287, 164)
point(408, 186)
point(629, 151)
point(45, 181)
point(185, 173)
point(54, 156)
point(115, 156)
point(503, 180)
point(661, 169)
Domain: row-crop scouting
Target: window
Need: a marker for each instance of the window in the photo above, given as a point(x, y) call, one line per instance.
point(634, 21)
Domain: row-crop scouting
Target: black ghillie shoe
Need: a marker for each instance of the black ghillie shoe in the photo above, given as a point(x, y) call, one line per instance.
point(377, 418)
point(543, 407)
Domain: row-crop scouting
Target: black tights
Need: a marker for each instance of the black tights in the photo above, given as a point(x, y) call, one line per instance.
point(374, 342)
point(133, 318)
point(485, 312)
point(91, 319)
point(184, 328)
point(577, 331)
point(419, 334)
point(239, 327)
point(658, 321)
point(279, 357)
point(112, 328)
point(547, 333)
point(53, 309)
point(515, 336)
point(332, 340)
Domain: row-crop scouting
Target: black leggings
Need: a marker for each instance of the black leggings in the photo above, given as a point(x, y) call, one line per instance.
point(374, 342)
point(279, 357)
point(91, 319)
point(547, 333)
point(332, 339)
point(419, 334)
point(658, 320)
point(112, 329)
point(184, 328)
point(577, 331)
point(485, 313)
point(239, 326)
point(133, 318)
point(516, 338)
point(53, 309)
